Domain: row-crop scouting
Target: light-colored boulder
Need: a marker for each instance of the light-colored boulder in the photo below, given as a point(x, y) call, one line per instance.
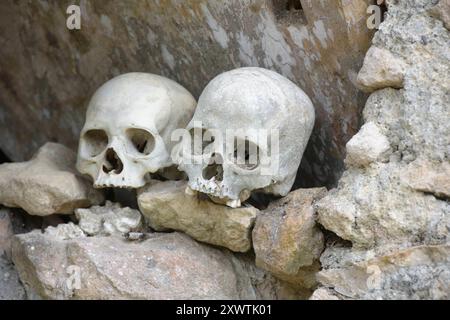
point(367, 146)
point(286, 238)
point(166, 206)
point(108, 219)
point(46, 184)
point(381, 69)
point(164, 266)
point(421, 272)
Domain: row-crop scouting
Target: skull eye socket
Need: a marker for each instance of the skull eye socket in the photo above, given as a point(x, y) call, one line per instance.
point(141, 141)
point(198, 141)
point(95, 141)
point(246, 154)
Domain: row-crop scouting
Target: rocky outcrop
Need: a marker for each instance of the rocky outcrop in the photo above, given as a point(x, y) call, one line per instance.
point(46, 184)
point(286, 239)
point(166, 206)
point(392, 201)
point(163, 266)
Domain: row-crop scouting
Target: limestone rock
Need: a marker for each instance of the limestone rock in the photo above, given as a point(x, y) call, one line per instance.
point(108, 219)
point(367, 146)
point(381, 69)
point(421, 272)
point(395, 214)
point(46, 184)
point(65, 231)
point(430, 178)
point(286, 238)
point(324, 294)
point(165, 205)
point(442, 12)
point(372, 207)
point(164, 266)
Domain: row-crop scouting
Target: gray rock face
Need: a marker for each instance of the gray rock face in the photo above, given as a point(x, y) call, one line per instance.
point(49, 72)
point(394, 209)
point(164, 266)
point(286, 239)
point(10, 286)
point(46, 184)
point(6, 231)
point(420, 272)
point(166, 206)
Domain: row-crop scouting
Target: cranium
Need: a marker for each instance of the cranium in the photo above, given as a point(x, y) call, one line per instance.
point(128, 127)
point(253, 100)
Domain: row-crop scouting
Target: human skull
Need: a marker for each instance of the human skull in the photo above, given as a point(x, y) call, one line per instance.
point(128, 129)
point(252, 100)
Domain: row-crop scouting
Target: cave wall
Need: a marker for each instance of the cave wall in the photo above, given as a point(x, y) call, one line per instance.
point(48, 73)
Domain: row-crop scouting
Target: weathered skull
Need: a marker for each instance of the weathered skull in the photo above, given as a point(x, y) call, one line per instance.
point(229, 164)
point(128, 127)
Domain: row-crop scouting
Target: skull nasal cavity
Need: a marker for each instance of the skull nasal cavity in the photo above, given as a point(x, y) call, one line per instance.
point(214, 168)
point(113, 162)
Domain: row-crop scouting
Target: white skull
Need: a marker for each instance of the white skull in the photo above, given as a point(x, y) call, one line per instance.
point(128, 127)
point(251, 99)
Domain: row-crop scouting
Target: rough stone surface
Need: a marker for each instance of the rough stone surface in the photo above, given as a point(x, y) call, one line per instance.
point(108, 219)
point(421, 272)
point(324, 294)
point(429, 177)
point(441, 11)
point(396, 212)
point(367, 146)
point(165, 205)
point(65, 231)
point(286, 238)
point(46, 184)
point(49, 72)
point(164, 266)
point(10, 286)
point(381, 69)
point(6, 231)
